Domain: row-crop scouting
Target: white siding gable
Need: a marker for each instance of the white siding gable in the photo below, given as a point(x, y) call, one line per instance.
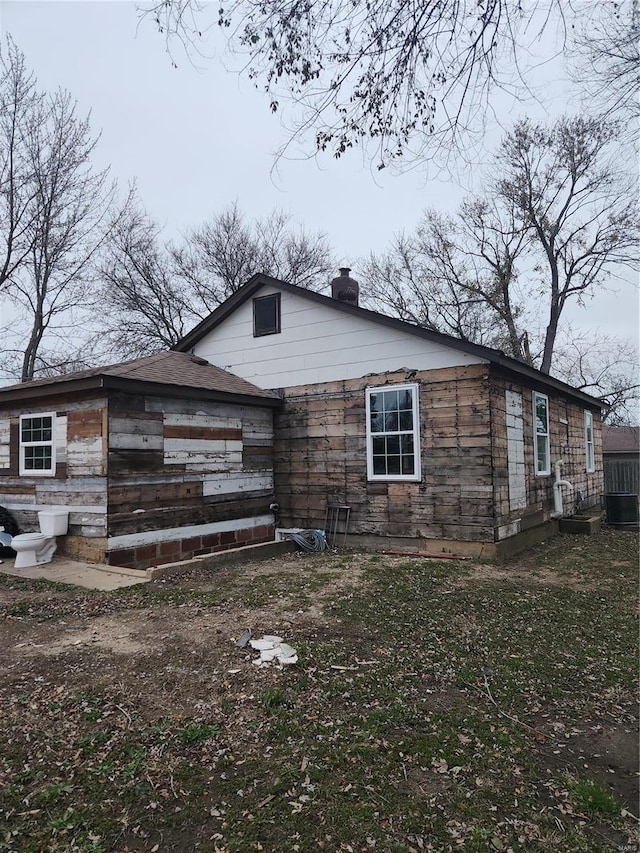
point(318, 344)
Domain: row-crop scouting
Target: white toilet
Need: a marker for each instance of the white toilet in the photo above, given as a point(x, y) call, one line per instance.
point(32, 549)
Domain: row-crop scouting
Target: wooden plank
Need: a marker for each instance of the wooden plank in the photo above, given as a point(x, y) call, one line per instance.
point(206, 446)
point(85, 458)
point(201, 432)
point(10, 488)
point(66, 497)
point(145, 496)
point(128, 404)
point(260, 459)
point(203, 461)
point(219, 420)
point(165, 517)
point(135, 441)
point(84, 423)
point(460, 442)
point(134, 461)
point(85, 430)
point(264, 445)
point(78, 487)
point(149, 424)
point(203, 412)
point(229, 483)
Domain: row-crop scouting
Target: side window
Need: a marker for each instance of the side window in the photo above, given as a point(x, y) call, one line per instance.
point(541, 433)
point(588, 443)
point(37, 447)
point(266, 315)
point(393, 433)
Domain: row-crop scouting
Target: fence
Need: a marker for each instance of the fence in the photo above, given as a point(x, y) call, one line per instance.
point(622, 475)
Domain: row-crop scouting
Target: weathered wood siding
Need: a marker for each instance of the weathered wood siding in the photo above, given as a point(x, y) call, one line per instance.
point(79, 486)
point(147, 479)
point(478, 483)
point(186, 477)
point(567, 442)
point(320, 456)
point(318, 343)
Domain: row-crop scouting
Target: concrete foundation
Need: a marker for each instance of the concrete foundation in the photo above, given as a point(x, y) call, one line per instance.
point(450, 549)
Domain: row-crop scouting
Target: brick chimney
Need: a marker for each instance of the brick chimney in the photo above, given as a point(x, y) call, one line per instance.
point(344, 288)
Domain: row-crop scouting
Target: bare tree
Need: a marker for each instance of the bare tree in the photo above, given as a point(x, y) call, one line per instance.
point(63, 351)
point(21, 111)
point(410, 76)
point(457, 275)
point(606, 61)
point(146, 302)
point(58, 208)
point(408, 282)
point(570, 196)
point(605, 366)
point(74, 211)
point(555, 225)
point(219, 256)
point(154, 290)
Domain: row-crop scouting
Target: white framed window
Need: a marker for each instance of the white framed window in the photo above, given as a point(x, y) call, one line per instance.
point(37, 444)
point(588, 443)
point(541, 452)
point(393, 433)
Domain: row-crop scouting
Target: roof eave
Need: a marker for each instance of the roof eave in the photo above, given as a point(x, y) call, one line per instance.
point(60, 388)
point(544, 380)
point(106, 382)
point(142, 386)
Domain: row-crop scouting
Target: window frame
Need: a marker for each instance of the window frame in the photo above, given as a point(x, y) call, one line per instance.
point(541, 434)
point(589, 444)
point(23, 445)
point(278, 316)
point(416, 476)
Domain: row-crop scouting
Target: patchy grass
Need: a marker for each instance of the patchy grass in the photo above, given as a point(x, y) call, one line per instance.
point(436, 706)
point(593, 798)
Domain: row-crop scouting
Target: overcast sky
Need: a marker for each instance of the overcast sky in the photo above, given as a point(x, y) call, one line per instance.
point(196, 139)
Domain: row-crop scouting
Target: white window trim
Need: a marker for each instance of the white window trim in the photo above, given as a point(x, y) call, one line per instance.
point(547, 470)
point(40, 472)
point(589, 446)
point(391, 478)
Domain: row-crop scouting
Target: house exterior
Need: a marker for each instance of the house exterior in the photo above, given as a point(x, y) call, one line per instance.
point(433, 443)
point(621, 455)
point(285, 396)
point(156, 460)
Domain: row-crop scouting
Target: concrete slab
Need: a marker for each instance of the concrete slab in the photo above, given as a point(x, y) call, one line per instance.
point(78, 573)
point(103, 577)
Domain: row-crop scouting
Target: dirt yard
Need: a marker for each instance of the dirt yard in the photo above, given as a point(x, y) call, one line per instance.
point(435, 706)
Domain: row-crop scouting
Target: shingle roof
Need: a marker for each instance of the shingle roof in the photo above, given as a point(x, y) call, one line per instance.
point(624, 439)
point(165, 368)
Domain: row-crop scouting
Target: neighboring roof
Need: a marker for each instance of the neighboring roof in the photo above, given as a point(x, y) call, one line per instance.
point(493, 356)
point(171, 373)
point(616, 439)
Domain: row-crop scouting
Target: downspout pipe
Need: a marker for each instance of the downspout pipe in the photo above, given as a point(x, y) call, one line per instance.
point(558, 485)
